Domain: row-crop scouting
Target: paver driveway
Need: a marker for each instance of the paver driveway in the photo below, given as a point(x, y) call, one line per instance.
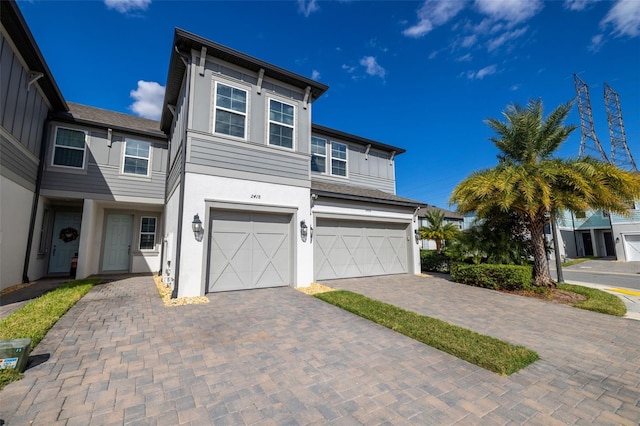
point(277, 356)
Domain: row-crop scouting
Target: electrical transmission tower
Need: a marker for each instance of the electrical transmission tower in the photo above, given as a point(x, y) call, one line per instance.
point(589, 140)
point(620, 154)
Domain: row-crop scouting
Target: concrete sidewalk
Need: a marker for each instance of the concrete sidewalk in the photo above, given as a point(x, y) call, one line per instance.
point(277, 356)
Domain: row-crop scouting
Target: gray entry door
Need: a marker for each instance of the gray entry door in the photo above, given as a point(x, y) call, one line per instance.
point(345, 249)
point(66, 240)
point(249, 250)
point(117, 242)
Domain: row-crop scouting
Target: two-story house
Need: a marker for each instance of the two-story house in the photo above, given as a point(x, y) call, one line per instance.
point(282, 202)
point(76, 181)
point(235, 187)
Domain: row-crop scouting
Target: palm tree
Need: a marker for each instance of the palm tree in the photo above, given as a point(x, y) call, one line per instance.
point(438, 230)
point(529, 181)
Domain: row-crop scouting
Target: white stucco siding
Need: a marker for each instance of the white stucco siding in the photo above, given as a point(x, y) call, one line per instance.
point(171, 214)
point(201, 191)
point(15, 209)
point(624, 236)
point(374, 213)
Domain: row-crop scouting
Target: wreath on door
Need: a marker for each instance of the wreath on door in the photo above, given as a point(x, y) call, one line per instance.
point(68, 234)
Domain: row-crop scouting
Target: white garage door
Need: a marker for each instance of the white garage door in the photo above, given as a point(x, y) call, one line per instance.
point(249, 250)
point(345, 248)
point(632, 247)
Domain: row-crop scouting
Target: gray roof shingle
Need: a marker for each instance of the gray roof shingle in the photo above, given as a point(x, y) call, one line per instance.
point(447, 213)
point(85, 114)
point(337, 190)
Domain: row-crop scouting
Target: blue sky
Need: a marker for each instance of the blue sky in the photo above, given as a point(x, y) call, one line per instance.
point(422, 75)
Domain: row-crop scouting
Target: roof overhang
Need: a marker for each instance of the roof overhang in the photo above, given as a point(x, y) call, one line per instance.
point(18, 30)
point(333, 133)
point(184, 42)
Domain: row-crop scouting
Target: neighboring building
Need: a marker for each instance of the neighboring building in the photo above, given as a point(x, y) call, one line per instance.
point(449, 217)
point(626, 234)
point(282, 201)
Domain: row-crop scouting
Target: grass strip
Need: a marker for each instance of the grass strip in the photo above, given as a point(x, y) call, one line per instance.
point(578, 261)
point(484, 351)
point(36, 318)
point(597, 300)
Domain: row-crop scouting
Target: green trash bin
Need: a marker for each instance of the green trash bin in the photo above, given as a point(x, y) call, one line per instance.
point(15, 354)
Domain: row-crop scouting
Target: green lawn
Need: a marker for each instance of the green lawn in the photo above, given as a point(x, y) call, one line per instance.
point(34, 319)
point(597, 300)
point(484, 351)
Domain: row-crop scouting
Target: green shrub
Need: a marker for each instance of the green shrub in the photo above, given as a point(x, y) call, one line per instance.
point(432, 261)
point(496, 277)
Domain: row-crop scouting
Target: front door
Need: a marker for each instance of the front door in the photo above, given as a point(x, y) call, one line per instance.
point(608, 244)
point(586, 242)
point(117, 242)
point(66, 240)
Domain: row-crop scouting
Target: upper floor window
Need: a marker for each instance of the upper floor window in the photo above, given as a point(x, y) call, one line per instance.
point(338, 159)
point(318, 155)
point(281, 127)
point(334, 152)
point(230, 111)
point(148, 233)
point(69, 148)
point(136, 157)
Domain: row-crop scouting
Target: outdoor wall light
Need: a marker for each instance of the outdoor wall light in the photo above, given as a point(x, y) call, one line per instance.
point(197, 228)
point(304, 230)
point(417, 234)
point(617, 240)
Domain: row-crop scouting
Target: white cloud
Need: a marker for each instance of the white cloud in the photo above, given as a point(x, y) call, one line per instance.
point(348, 68)
point(433, 13)
point(307, 8)
point(512, 11)
point(433, 54)
point(515, 87)
point(469, 41)
point(482, 73)
point(315, 75)
point(578, 4)
point(596, 43)
point(505, 37)
point(465, 58)
point(125, 6)
point(148, 99)
point(373, 68)
point(625, 18)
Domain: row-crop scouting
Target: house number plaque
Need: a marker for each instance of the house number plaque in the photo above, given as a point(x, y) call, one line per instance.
point(255, 196)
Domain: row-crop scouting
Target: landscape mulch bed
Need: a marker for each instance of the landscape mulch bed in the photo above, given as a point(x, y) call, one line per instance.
point(553, 295)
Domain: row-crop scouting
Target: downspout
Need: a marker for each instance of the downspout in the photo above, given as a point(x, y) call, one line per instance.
point(183, 174)
point(36, 199)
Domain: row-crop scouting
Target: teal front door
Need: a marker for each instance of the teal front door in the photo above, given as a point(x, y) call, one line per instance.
point(117, 242)
point(65, 241)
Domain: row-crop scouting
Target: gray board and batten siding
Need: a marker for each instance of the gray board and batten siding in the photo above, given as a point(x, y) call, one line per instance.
point(203, 98)
point(17, 165)
point(22, 111)
point(102, 176)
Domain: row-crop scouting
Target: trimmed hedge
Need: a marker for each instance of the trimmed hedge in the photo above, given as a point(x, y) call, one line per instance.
point(431, 261)
point(496, 277)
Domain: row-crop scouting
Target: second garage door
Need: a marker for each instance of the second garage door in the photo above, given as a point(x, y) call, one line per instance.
point(632, 247)
point(346, 248)
point(249, 250)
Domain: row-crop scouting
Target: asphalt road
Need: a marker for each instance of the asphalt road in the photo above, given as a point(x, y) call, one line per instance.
point(603, 278)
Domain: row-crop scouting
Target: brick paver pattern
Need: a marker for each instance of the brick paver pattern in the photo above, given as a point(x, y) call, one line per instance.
point(277, 356)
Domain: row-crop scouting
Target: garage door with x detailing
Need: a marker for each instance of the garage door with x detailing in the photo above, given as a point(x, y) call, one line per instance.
point(249, 250)
point(350, 248)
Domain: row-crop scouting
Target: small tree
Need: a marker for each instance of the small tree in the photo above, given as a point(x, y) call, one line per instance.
point(438, 230)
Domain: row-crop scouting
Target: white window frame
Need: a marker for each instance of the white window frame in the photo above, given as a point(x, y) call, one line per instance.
point(278, 123)
point(345, 160)
point(125, 155)
point(154, 233)
point(244, 114)
point(324, 157)
point(55, 145)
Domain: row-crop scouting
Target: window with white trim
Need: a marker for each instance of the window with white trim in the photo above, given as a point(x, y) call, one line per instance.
point(230, 111)
point(136, 157)
point(318, 155)
point(338, 159)
point(69, 148)
point(281, 123)
point(147, 233)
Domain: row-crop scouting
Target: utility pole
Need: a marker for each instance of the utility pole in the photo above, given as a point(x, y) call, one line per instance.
point(556, 248)
point(620, 155)
point(589, 140)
